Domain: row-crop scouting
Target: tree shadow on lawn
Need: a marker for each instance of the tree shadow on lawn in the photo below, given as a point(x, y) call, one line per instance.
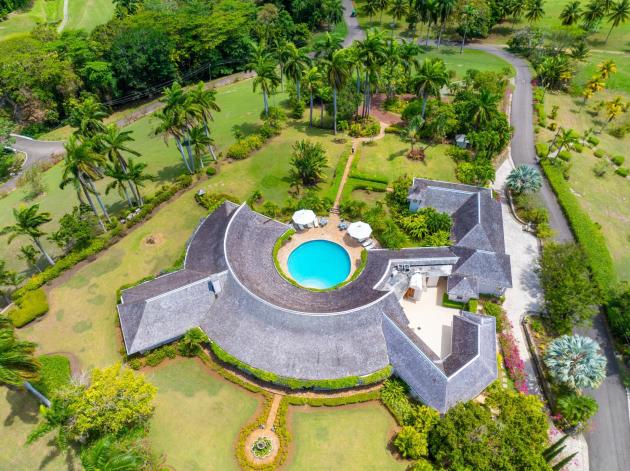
point(247, 128)
point(23, 407)
point(56, 452)
point(167, 174)
point(397, 154)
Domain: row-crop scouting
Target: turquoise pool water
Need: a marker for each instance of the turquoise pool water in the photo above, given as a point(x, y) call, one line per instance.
point(319, 264)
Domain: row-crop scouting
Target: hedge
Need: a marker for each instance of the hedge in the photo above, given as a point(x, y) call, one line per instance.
point(592, 140)
point(599, 153)
point(565, 155)
point(54, 374)
point(452, 304)
point(622, 171)
point(334, 401)
point(29, 307)
point(618, 160)
point(294, 383)
point(368, 177)
point(586, 232)
point(542, 150)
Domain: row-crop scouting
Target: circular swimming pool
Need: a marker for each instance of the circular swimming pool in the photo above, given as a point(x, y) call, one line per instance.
point(319, 264)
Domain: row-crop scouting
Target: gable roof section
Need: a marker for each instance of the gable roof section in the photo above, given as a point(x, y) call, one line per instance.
point(488, 266)
point(462, 285)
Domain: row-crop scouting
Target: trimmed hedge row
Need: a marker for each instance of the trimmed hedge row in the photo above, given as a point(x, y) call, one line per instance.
point(334, 401)
point(30, 306)
point(294, 383)
point(586, 232)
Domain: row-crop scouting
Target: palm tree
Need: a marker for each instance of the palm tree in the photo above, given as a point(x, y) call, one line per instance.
point(580, 51)
point(81, 168)
point(571, 13)
point(266, 79)
point(431, 12)
point(308, 163)
point(398, 10)
point(576, 361)
point(594, 85)
point(204, 101)
point(113, 142)
point(614, 109)
point(524, 179)
point(593, 14)
point(136, 175)
point(119, 181)
point(17, 362)
point(370, 8)
point(429, 80)
point(484, 107)
point(618, 15)
point(516, 11)
point(333, 12)
point(372, 54)
point(28, 221)
point(107, 455)
point(337, 72)
point(446, 8)
point(199, 141)
point(87, 116)
point(382, 6)
point(534, 10)
point(295, 63)
point(29, 254)
point(326, 45)
point(312, 82)
point(466, 17)
point(563, 138)
point(411, 133)
point(408, 53)
point(606, 68)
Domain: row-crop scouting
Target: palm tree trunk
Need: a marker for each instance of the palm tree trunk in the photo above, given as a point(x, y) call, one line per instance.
point(140, 200)
point(43, 251)
point(461, 49)
point(424, 103)
point(321, 112)
point(181, 152)
point(91, 203)
point(191, 156)
point(426, 43)
point(310, 120)
point(210, 148)
point(126, 193)
point(297, 86)
point(100, 201)
point(335, 110)
point(608, 35)
point(266, 103)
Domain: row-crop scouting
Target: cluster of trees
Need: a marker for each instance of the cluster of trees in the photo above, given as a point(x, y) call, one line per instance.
point(594, 12)
point(146, 46)
point(7, 6)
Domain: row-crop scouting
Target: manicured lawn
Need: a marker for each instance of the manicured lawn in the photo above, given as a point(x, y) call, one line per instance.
point(197, 416)
point(88, 14)
point(469, 59)
point(618, 82)
point(18, 417)
point(607, 198)
point(19, 23)
point(343, 438)
point(386, 158)
point(619, 39)
point(82, 317)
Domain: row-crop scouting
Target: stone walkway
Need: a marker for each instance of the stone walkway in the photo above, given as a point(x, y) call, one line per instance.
point(266, 432)
point(524, 297)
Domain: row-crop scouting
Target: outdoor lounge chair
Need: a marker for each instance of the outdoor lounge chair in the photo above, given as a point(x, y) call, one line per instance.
point(323, 221)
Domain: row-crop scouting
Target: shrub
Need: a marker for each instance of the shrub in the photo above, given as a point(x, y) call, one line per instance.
point(618, 311)
point(576, 409)
point(586, 232)
point(575, 361)
point(297, 109)
point(601, 168)
point(54, 374)
point(496, 311)
point(241, 149)
point(156, 357)
point(599, 153)
point(544, 231)
point(565, 155)
point(211, 171)
point(30, 306)
point(472, 305)
point(592, 140)
point(577, 147)
point(618, 160)
point(542, 150)
point(410, 443)
point(394, 396)
point(622, 172)
point(333, 401)
point(552, 126)
point(135, 363)
point(170, 351)
point(192, 342)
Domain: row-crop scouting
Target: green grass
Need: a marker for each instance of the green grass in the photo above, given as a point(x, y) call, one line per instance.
point(618, 82)
point(18, 416)
point(54, 374)
point(340, 29)
point(22, 22)
point(619, 39)
point(349, 438)
point(197, 416)
point(605, 199)
point(88, 14)
point(469, 59)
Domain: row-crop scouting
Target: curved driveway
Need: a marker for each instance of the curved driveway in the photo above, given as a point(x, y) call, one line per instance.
point(36, 152)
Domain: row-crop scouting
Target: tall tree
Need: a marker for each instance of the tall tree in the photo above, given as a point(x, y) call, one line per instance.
point(618, 15)
point(204, 103)
point(137, 176)
point(112, 143)
point(445, 8)
point(333, 12)
point(372, 54)
point(28, 222)
point(429, 80)
point(571, 13)
point(337, 72)
point(87, 116)
point(119, 182)
point(370, 8)
point(398, 10)
point(17, 362)
point(295, 64)
point(199, 141)
point(382, 7)
point(29, 254)
point(326, 45)
point(267, 79)
point(534, 10)
point(312, 82)
point(308, 163)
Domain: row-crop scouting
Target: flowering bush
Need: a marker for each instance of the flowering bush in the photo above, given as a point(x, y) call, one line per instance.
point(512, 360)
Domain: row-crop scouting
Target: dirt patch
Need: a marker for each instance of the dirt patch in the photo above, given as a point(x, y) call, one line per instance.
point(154, 240)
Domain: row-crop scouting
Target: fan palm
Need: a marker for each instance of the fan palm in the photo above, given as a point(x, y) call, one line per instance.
point(534, 10)
point(524, 179)
point(17, 362)
point(429, 80)
point(576, 361)
point(618, 15)
point(107, 455)
point(337, 72)
point(28, 221)
point(571, 13)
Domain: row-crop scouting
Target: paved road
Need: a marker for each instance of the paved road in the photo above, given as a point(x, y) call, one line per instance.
point(354, 30)
point(36, 151)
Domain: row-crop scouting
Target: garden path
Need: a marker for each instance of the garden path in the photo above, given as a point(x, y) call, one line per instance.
point(265, 432)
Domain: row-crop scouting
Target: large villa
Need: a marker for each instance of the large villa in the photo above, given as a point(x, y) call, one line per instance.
point(252, 306)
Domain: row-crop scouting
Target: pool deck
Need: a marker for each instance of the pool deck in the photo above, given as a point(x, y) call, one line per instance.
point(329, 232)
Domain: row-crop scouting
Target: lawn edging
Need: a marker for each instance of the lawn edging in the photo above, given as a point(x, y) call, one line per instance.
point(586, 232)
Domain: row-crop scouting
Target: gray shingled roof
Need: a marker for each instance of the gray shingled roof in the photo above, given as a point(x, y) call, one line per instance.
point(465, 286)
point(494, 268)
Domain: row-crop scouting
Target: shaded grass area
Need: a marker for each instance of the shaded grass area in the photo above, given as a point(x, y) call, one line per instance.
point(22, 22)
point(352, 438)
point(604, 198)
point(18, 417)
point(197, 417)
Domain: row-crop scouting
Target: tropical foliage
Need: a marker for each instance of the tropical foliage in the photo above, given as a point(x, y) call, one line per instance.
point(576, 361)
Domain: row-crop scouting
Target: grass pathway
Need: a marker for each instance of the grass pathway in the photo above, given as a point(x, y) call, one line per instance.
point(64, 20)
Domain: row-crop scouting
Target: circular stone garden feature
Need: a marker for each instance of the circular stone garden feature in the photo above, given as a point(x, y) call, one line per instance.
point(319, 264)
point(262, 447)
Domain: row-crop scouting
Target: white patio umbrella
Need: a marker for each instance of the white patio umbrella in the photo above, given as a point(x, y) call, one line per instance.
point(304, 217)
point(359, 230)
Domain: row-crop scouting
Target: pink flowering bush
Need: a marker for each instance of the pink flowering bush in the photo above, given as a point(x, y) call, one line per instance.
point(511, 357)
